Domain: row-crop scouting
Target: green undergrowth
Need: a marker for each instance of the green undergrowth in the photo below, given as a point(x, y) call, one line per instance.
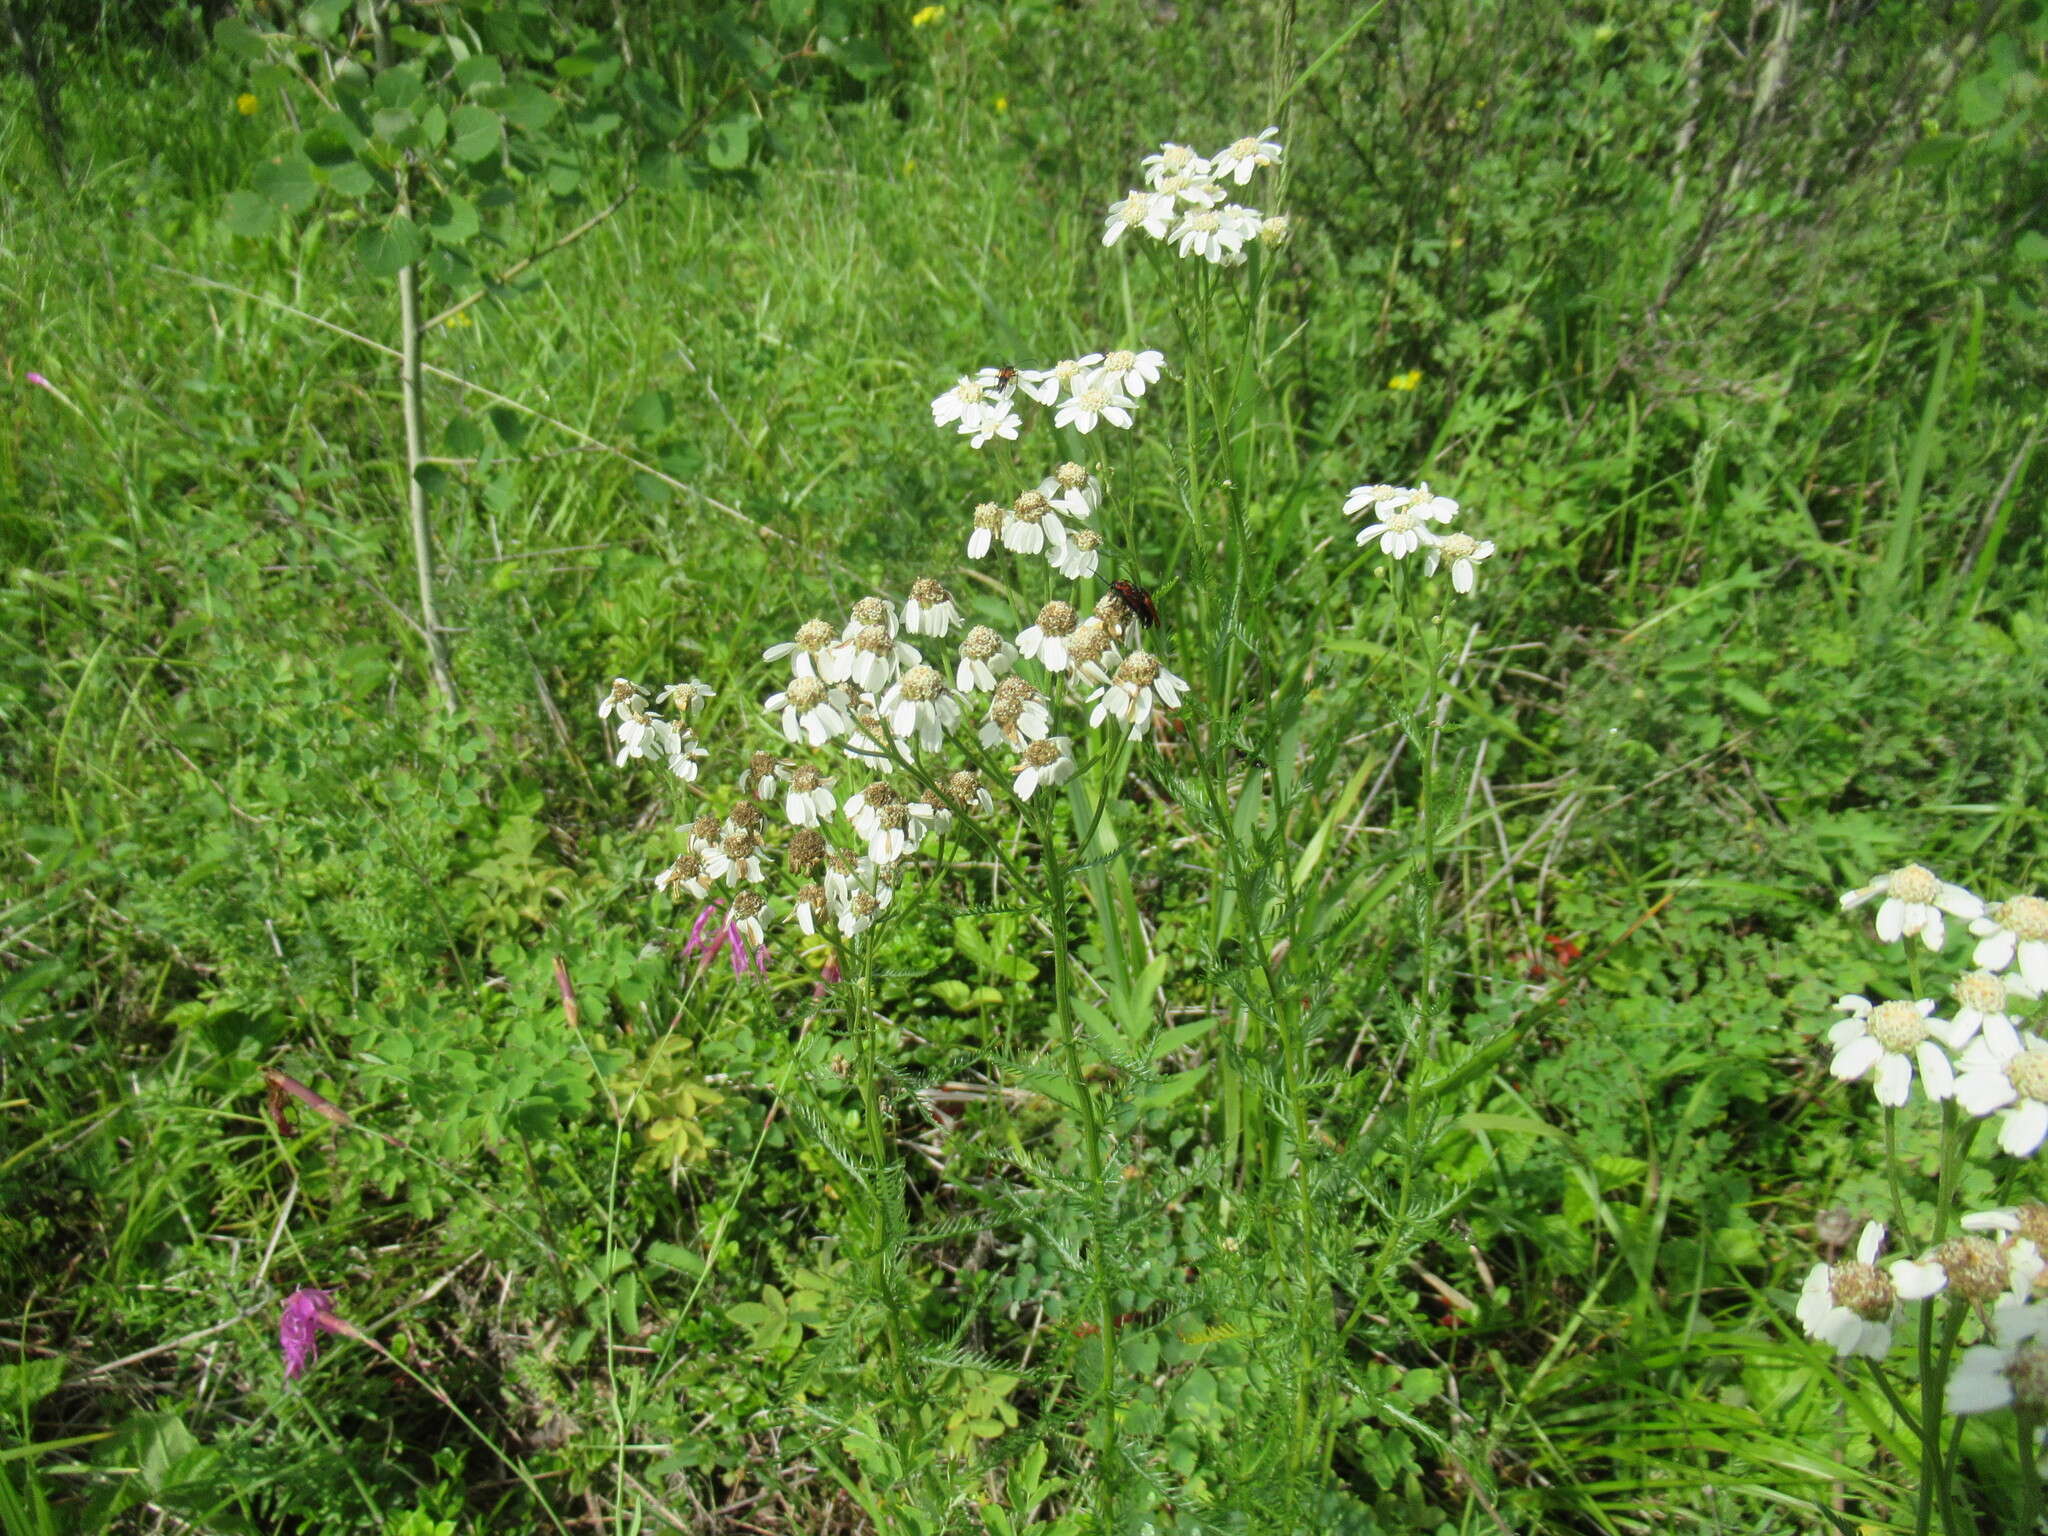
point(1738, 363)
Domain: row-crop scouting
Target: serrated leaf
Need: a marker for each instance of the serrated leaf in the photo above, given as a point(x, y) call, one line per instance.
point(1748, 699)
point(247, 215)
point(390, 250)
point(476, 134)
point(675, 1256)
point(652, 410)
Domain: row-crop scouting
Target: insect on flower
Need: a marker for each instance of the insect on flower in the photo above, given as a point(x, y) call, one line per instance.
point(1139, 601)
point(1006, 381)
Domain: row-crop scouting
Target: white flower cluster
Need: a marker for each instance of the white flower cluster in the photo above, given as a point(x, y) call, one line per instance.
point(642, 733)
point(1997, 1266)
point(1082, 393)
point(1045, 520)
point(1401, 526)
point(1998, 1066)
point(1984, 1058)
point(1185, 201)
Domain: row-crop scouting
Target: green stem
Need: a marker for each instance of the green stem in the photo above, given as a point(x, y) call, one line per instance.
point(1092, 1150)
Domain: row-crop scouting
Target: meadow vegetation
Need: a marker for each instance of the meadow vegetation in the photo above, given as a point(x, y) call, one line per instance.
point(1386, 1088)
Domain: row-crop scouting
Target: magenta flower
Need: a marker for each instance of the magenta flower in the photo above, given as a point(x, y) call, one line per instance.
point(37, 378)
point(307, 1314)
point(714, 931)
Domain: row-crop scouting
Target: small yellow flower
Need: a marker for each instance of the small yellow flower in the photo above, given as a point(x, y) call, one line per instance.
point(1405, 381)
point(247, 104)
point(1002, 103)
point(909, 165)
point(458, 320)
point(927, 16)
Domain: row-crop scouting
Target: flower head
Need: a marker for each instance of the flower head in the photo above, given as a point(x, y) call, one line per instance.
point(1889, 1040)
point(307, 1314)
point(1247, 155)
point(1852, 1305)
point(2015, 930)
point(2012, 1372)
point(1095, 400)
point(1914, 900)
point(1463, 552)
point(930, 610)
point(1150, 211)
point(2012, 1076)
point(1048, 761)
point(1140, 685)
point(1983, 1001)
point(1173, 160)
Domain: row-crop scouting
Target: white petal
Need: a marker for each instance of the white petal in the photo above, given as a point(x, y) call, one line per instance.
point(1857, 1057)
point(1917, 1281)
point(1979, 1383)
point(1982, 1092)
point(2024, 1128)
point(1935, 1072)
point(1894, 1080)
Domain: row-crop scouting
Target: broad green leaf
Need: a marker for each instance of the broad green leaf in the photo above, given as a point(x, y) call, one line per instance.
point(396, 126)
point(860, 57)
point(462, 438)
point(476, 134)
point(652, 410)
point(525, 106)
point(1171, 1090)
point(454, 221)
point(479, 72)
point(510, 426)
point(287, 181)
point(1181, 1036)
point(390, 250)
point(399, 88)
point(322, 19)
point(237, 38)
point(353, 179)
point(725, 146)
point(247, 215)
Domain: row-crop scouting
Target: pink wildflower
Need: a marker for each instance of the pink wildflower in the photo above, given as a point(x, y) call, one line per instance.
point(307, 1314)
point(714, 931)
